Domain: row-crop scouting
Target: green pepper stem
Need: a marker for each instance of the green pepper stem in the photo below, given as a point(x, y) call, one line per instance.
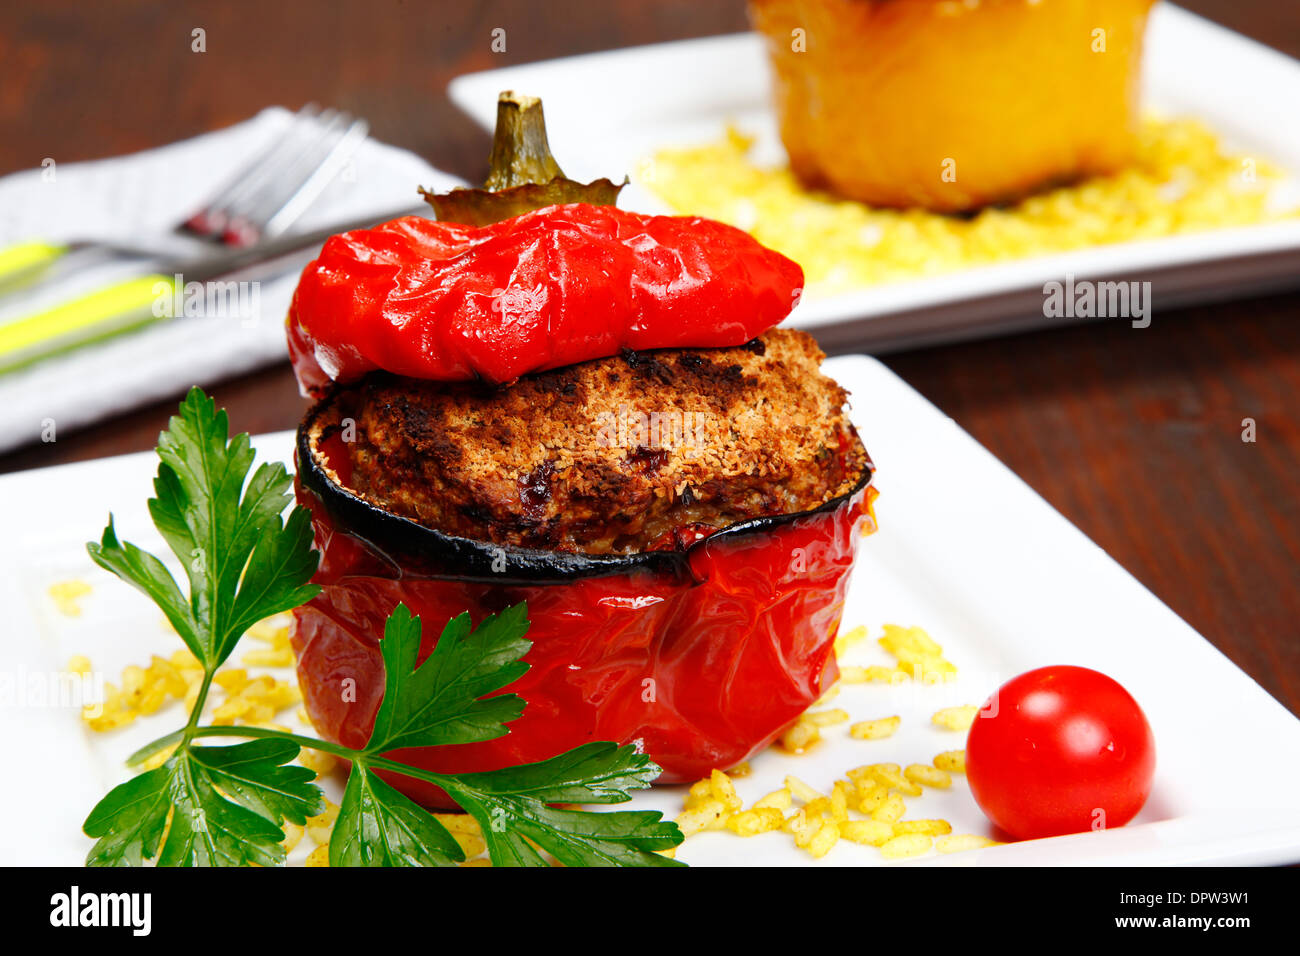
point(521, 152)
point(523, 175)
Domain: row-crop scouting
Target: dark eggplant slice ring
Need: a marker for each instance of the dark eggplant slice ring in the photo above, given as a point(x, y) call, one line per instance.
point(409, 544)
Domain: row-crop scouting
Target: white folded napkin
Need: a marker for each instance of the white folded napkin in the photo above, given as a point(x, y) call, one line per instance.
point(147, 193)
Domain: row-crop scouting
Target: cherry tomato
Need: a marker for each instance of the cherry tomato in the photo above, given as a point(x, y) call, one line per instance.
point(1060, 750)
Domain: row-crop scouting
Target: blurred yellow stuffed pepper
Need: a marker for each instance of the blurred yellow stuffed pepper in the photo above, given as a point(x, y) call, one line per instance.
point(951, 105)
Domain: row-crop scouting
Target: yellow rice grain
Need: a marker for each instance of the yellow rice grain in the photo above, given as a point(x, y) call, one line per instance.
point(293, 834)
point(953, 761)
point(955, 718)
point(724, 791)
point(67, 596)
point(930, 827)
point(751, 822)
point(709, 815)
point(891, 810)
point(827, 835)
point(472, 844)
point(907, 845)
point(777, 799)
point(319, 856)
point(804, 828)
point(891, 777)
point(928, 776)
point(828, 718)
point(875, 729)
point(799, 736)
point(317, 761)
point(320, 825)
point(869, 832)
point(800, 790)
point(850, 637)
point(278, 657)
point(459, 823)
point(959, 842)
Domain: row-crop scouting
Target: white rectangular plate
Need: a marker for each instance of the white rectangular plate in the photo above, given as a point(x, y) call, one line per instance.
point(965, 549)
point(607, 112)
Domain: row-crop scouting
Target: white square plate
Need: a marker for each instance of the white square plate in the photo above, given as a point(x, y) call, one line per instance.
point(608, 112)
point(965, 549)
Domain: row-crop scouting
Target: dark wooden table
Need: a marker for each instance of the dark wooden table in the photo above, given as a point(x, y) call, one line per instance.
point(1135, 437)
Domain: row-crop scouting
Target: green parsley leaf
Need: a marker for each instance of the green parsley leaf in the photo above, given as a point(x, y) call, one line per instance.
point(436, 704)
point(129, 820)
point(254, 775)
point(599, 772)
point(379, 826)
point(227, 805)
point(573, 837)
point(439, 702)
point(206, 806)
point(146, 573)
point(243, 564)
point(274, 580)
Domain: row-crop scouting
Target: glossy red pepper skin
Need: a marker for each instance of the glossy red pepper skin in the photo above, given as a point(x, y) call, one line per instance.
point(700, 669)
point(552, 287)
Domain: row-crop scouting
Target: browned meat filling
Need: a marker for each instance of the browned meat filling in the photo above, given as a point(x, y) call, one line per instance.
point(617, 455)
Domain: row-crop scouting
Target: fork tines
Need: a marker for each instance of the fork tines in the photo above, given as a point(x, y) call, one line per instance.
point(268, 194)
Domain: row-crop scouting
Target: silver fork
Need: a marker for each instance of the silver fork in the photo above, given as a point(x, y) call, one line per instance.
point(261, 200)
point(267, 195)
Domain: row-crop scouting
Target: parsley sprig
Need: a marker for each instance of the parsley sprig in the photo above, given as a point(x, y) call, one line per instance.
point(213, 805)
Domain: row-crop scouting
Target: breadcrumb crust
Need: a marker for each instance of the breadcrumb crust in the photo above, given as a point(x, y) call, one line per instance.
point(611, 456)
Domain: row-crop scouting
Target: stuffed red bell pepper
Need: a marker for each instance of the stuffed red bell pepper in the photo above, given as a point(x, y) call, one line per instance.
point(588, 410)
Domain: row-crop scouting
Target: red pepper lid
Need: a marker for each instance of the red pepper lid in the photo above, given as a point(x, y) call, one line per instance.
point(493, 300)
point(552, 287)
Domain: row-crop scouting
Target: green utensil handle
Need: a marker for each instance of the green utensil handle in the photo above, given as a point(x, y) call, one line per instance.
point(25, 259)
point(99, 315)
